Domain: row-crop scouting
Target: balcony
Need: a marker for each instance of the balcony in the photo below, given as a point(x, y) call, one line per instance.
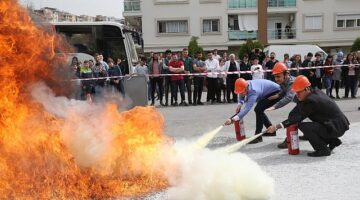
point(240, 4)
point(281, 3)
point(131, 6)
point(273, 34)
point(241, 35)
point(236, 4)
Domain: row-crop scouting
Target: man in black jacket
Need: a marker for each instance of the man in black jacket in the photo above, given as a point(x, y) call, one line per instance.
point(328, 121)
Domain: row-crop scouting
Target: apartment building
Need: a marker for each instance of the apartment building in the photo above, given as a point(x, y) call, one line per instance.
point(226, 24)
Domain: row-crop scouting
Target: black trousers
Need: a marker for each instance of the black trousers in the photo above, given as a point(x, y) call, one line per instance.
point(336, 84)
point(159, 82)
point(198, 88)
point(230, 88)
point(188, 82)
point(261, 106)
point(317, 134)
point(212, 88)
point(350, 85)
point(168, 86)
point(175, 85)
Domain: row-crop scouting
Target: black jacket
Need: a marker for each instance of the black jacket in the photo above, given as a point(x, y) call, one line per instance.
point(322, 109)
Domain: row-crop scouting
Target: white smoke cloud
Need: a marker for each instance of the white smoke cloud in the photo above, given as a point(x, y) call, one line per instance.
point(85, 132)
point(211, 175)
point(201, 174)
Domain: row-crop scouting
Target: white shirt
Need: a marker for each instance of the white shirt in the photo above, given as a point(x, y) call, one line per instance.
point(257, 72)
point(217, 57)
point(212, 66)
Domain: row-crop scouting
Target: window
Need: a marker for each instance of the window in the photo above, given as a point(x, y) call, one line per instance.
point(211, 26)
point(313, 23)
point(176, 26)
point(348, 21)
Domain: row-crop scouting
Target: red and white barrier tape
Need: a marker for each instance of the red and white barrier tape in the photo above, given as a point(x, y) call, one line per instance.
point(205, 73)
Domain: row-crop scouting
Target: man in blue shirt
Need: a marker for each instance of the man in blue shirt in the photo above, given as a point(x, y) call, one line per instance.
point(260, 91)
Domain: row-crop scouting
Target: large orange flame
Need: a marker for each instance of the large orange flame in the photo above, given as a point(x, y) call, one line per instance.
point(39, 152)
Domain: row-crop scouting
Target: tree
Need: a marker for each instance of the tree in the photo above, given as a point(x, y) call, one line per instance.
point(248, 47)
point(356, 45)
point(194, 47)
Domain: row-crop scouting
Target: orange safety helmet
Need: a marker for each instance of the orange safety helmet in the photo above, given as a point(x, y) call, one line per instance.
point(240, 85)
point(279, 67)
point(300, 83)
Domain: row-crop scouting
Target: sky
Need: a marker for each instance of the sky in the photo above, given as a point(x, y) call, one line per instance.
point(110, 8)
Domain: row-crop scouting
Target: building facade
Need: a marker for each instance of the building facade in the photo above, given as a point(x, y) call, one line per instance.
point(226, 24)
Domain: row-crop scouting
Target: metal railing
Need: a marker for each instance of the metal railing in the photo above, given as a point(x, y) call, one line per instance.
point(281, 3)
point(236, 4)
point(131, 6)
point(282, 34)
point(273, 34)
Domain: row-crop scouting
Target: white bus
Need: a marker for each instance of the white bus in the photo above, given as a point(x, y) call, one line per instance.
point(114, 41)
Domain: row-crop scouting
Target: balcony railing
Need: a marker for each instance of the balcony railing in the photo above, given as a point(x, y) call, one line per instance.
point(281, 3)
point(236, 4)
point(282, 34)
point(242, 35)
point(273, 34)
point(130, 6)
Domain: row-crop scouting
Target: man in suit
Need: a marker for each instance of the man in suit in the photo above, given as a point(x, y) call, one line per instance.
point(328, 121)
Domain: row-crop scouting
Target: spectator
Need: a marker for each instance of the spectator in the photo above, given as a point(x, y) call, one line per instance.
point(142, 69)
point(309, 73)
point(199, 66)
point(225, 56)
point(257, 70)
point(99, 72)
point(232, 66)
point(75, 74)
point(221, 81)
point(337, 73)
point(269, 66)
point(188, 66)
point(155, 68)
point(318, 62)
point(176, 66)
point(116, 83)
point(165, 64)
point(358, 72)
point(86, 85)
point(245, 66)
point(287, 60)
point(216, 55)
point(296, 64)
point(328, 74)
point(212, 66)
point(350, 71)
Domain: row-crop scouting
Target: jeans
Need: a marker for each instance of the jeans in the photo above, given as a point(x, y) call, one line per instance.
point(327, 83)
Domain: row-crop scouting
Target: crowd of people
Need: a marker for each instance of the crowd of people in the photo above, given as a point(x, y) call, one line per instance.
point(161, 70)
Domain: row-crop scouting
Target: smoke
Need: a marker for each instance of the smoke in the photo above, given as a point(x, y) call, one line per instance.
point(86, 132)
point(212, 175)
point(192, 172)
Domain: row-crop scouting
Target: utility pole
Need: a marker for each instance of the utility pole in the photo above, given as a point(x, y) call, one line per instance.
point(262, 21)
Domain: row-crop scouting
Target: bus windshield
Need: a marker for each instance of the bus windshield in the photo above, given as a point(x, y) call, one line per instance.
point(100, 38)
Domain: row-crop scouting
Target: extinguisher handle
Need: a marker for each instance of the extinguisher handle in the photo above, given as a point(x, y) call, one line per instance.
point(233, 116)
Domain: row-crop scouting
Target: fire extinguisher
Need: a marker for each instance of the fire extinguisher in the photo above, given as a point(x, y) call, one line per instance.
point(292, 139)
point(239, 130)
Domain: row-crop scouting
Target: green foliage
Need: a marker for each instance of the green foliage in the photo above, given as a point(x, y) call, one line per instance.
point(194, 47)
point(248, 47)
point(356, 45)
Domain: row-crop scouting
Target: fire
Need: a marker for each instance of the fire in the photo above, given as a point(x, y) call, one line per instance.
point(40, 155)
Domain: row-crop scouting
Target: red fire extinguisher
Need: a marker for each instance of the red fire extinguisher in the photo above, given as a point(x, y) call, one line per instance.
point(239, 130)
point(292, 139)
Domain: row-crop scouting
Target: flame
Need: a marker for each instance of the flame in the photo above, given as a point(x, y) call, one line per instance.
point(39, 153)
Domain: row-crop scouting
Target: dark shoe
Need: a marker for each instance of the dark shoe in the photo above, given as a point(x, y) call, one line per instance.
point(200, 103)
point(337, 96)
point(194, 104)
point(257, 140)
point(269, 134)
point(175, 104)
point(166, 104)
point(358, 108)
point(183, 103)
point(162, 104)
point(331, 96)
point(353, 97)
point(302, 137)
point(283, 145)
point(152, 104)
point(334, 143)
point(320, 153)
point(212, 102)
